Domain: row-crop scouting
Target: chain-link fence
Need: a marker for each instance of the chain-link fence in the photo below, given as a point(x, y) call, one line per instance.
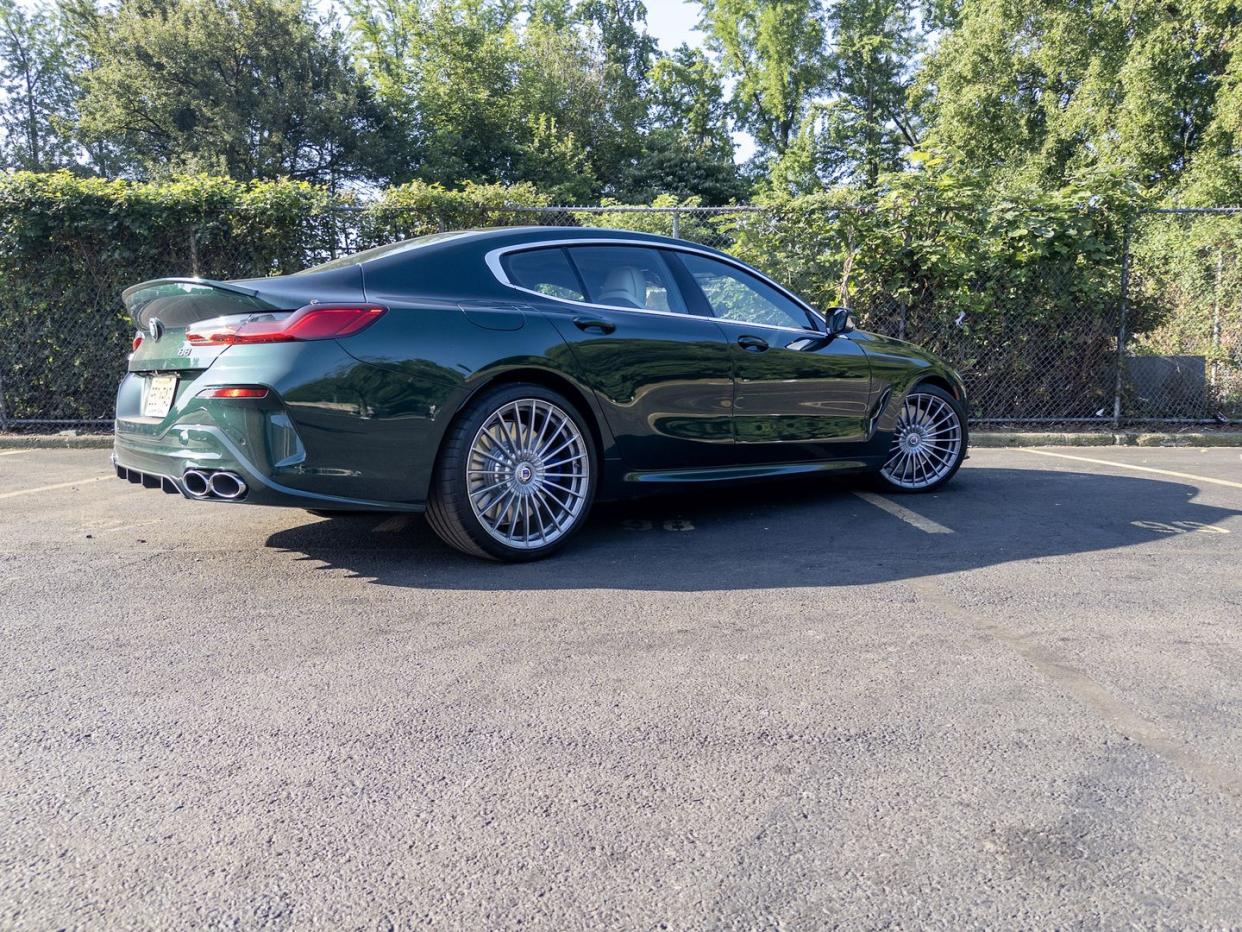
point(1036, 346)
point(1183, 317)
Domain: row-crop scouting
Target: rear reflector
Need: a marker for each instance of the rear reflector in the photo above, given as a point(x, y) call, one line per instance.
point(313, 322)
point(234, 391)
point(137, 341)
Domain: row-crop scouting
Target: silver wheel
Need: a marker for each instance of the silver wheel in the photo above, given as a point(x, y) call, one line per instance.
point(927, 443)
point(528, 473)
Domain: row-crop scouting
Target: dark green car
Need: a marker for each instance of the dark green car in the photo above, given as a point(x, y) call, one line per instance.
point(504, 380)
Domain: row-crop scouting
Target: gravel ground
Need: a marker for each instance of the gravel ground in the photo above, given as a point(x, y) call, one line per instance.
point(1017, 703)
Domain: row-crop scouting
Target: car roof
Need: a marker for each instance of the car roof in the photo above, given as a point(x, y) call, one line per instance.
point(491, 238)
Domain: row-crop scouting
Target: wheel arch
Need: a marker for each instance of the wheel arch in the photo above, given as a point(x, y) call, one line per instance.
point(547, 379)
point(938, 381)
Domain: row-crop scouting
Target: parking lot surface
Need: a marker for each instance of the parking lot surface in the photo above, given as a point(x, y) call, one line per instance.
point(1017, 702)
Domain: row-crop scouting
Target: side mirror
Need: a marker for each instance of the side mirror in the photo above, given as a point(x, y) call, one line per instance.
point(839, 320)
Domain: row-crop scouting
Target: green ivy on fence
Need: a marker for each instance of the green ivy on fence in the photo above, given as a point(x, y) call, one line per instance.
point(1018, 288)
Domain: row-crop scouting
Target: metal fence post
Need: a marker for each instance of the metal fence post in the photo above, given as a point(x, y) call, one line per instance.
point(1220, 268)
point(1123, 306)
point(4, 417)
point(676, 223)
point(194, 253)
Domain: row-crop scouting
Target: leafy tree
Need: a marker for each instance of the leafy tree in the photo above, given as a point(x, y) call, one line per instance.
point(1055, 90)
point(868, 119)
point(688, 150)
point(252, 88)
point(38, 55)
point(773, 50)
point(499, 91)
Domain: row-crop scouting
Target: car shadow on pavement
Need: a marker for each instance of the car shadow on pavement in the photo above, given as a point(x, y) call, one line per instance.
point(788, 534)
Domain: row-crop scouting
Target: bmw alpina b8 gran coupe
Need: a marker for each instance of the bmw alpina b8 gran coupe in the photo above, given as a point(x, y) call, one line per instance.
point(503, 380)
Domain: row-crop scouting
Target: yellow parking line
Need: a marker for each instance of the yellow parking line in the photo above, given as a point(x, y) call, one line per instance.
point(927, 525)
point(1162, 472)
point(59, 485)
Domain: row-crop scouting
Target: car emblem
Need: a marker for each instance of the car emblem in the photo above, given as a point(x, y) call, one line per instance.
point(156, 328)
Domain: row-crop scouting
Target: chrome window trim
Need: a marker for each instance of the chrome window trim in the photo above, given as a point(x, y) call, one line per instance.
point(493, 260)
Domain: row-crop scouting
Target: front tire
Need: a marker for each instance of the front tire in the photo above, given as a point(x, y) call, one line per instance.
point(929, 442)
point(516, 475)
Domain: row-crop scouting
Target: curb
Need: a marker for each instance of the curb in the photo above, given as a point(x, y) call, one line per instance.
point(978, 439)
point(985, 439)
point(55, 441)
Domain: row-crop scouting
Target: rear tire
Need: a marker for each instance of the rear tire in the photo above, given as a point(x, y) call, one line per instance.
point(516, 475)
point(929, 442)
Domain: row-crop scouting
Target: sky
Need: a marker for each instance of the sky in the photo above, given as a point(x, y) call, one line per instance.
point(671, 22)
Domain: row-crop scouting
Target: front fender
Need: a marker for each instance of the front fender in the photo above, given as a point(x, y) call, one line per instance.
point(898, 366)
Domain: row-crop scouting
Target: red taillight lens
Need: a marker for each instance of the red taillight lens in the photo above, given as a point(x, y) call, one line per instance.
point(313, 322)
point(137, 341)
point(234, 391)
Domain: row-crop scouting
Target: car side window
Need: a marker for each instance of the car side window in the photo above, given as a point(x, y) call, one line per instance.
point(546, 271)
point(627, 276)
point(736, 295)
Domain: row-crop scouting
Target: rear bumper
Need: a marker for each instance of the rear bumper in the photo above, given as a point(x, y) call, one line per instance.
point(161, 462)
point(148, 480)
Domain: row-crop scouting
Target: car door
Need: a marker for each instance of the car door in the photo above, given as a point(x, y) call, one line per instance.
point(663, 376)
point(798, 393)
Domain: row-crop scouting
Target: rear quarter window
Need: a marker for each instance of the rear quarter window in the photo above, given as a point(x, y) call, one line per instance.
point(546, 271)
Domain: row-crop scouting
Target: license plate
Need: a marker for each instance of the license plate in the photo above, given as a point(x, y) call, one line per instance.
point(161, 390)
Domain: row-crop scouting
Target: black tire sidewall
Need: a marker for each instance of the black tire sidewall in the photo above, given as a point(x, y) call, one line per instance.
point(453, 518)
point(925, 389)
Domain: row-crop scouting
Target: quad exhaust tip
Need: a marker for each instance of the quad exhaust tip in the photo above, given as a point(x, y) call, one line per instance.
point(227, 485)
point(196, 483)
point(223, 484)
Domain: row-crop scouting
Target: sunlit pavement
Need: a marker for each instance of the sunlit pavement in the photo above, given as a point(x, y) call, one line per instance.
point(1017, 702)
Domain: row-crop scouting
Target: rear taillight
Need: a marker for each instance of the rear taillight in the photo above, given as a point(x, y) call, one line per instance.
point(313, 322)
point(137, 341)
point(234, 391)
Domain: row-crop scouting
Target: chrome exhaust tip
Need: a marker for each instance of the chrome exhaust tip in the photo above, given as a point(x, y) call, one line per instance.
point(227, 485)
point(195, 483)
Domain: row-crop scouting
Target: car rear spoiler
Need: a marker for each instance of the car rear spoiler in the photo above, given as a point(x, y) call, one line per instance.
point(178, 302)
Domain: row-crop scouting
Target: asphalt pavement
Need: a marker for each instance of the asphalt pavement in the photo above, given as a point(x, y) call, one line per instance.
point(1014, 703)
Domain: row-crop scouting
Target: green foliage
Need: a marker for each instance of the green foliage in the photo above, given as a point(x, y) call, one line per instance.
point(69, 246)
point(560, 97)
point(868, 121)
point(1056, 91)
point(418, 208)
point(688, 150)
point(774, 50)
point(1018, 287)
point(1187, 280)
point(39, 55)
point(252, 88)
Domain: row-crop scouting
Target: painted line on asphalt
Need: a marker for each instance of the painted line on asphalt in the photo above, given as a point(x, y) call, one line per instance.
point(58, 485)
point(12, 452)
point(1160, 472)
point(927, 525)
point(392, 525)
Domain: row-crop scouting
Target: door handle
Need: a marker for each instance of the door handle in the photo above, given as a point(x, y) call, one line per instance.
point(752, 344)
point(594, 323)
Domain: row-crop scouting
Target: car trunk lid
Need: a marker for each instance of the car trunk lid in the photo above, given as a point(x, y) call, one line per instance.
point(164, 309)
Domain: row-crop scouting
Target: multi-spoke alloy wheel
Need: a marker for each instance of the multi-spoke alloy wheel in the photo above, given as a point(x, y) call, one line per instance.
point(928, 444)
point(528, 473)
point(516, 477)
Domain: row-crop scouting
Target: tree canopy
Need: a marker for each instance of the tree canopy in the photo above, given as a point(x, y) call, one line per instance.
point(576, 98)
